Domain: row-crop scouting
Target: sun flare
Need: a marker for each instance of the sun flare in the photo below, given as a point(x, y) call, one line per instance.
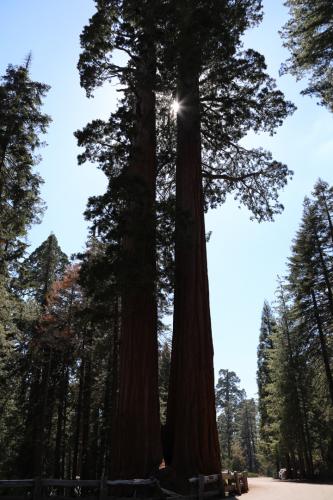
point(175, 107)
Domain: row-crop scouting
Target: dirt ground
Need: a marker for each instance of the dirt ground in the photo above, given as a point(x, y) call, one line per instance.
point(270, 489)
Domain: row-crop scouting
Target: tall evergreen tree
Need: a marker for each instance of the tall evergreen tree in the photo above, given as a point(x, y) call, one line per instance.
point(311, 282)
point(38, 273)
point(247, 429)
point(268, 325)
point(22, 123)
point(228, 398)
point(298, 391)
point(216, 68)
point(132, 28)
point(207, 61)
point(41, 269)
point(308, 36)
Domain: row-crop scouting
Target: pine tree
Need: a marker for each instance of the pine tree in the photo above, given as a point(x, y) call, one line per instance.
point(247, 430)
point(297, 398)
point(37, 276)
point(228, 398)
point(308, 36)
point(22, 123)
point(268, 325)
point(41, 269)
point(311, 281)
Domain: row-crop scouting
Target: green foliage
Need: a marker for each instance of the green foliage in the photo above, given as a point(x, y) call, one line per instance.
point(41, 269)
point(308, 36)
point(237, 424)
point(22, 122)
point(296, 392)
point(236, 96)
point(164, 373)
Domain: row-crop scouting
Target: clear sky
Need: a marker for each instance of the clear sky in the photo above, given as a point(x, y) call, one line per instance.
point(244, 257)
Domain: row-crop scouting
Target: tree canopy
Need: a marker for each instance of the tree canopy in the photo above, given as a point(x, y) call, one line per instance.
point(308, 36)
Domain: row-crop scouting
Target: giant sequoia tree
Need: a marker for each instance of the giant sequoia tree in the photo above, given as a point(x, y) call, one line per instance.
point(222, 93)
point(131, 28)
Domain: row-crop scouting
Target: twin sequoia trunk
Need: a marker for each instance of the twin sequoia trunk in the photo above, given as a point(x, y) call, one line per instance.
point(191, 432)
point(136, 444)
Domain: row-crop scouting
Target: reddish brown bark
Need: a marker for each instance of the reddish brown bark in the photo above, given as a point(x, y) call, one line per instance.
point(136, 445)
point(191, 429)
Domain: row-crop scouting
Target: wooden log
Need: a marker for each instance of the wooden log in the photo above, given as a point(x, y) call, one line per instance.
point(68, 483)
point(213, 478)
point(17, 483)
point(65, 497)
point(132, 482)
point(14, 497)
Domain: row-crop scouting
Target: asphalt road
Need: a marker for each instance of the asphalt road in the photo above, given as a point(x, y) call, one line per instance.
point(264, 488)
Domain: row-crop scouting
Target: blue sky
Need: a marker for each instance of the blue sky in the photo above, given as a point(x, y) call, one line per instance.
point(244, 257)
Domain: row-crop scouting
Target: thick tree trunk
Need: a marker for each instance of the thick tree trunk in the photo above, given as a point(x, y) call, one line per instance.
point(78, 422)
point(43, 410)
point(136, 443)
point(192, 438)
point(61, 421)
point(110, 394)
point(86, 416)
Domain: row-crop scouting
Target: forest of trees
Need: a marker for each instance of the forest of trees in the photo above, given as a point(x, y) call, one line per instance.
point(237, 420)
point(295, 379)
point(92, 383)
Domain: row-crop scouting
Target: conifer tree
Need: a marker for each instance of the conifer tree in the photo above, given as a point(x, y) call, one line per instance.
point(297, 397)
point(45, 265)
point(311, 282)
point(216, 72)
point(228, 398)
point(22, 123)
point(131, 28)
point(38, 273)
point(247, 430)
point(268, 325)
point(308, 36)
point(210, 123)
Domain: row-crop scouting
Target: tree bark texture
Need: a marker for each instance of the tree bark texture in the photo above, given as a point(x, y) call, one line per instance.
point(191, 430)
point(136, 443)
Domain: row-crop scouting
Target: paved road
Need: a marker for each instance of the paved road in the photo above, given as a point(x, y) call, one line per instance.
point(270, 489)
